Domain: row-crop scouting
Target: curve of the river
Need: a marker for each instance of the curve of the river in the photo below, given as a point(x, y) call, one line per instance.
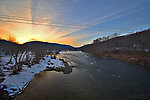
point(92, 78)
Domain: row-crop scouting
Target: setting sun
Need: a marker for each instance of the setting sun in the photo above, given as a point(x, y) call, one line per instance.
point(20, 42)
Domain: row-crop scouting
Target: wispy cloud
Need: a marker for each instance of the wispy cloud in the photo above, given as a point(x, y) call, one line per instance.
point(106, 18)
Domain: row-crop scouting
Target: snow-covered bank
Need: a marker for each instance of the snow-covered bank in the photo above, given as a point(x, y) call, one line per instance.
point(15, 84)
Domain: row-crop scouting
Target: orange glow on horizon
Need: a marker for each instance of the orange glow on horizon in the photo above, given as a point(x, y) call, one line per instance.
point(22, 30)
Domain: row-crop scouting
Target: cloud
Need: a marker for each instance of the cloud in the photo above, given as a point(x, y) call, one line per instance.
point(33, 39)
point(106, 18)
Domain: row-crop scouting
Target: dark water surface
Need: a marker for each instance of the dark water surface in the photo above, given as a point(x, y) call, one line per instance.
point(92, 78)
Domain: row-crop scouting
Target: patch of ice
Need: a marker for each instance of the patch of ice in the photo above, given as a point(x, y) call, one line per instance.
point(146, 50)
point(118, 76)
point(1, 86)
point(61, 51)
point(98, 70)
point(91, 63)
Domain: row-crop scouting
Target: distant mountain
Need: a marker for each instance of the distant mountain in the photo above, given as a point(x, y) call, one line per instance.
point(4, 44)
point(35, 45)
point(46, 45)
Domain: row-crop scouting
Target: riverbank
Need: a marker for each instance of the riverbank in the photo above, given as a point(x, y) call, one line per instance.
point(141, 58)
point(11, 85)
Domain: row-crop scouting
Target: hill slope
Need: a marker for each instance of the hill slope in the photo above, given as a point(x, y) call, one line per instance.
point(36, 45)
point(49, 46)
point(132, 48)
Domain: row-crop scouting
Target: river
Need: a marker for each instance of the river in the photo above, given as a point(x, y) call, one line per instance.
point(91, 78)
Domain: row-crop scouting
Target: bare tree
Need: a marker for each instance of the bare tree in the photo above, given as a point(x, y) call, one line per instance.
point(18, 53)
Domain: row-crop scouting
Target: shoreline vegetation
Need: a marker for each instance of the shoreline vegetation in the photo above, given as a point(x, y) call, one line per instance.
point(133, 48)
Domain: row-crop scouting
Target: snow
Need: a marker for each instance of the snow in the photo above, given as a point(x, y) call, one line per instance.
point(17, 83)
point(4, 59)
point(62, 52)
point(3, 64)
point(146, 50)
point(117, 76)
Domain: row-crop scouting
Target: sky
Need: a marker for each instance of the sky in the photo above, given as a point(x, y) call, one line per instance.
point(72, 22)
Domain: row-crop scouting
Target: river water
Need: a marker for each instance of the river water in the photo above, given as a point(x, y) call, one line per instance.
point(91, 78)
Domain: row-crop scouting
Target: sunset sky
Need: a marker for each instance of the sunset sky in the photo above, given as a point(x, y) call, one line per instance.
point(72, 22)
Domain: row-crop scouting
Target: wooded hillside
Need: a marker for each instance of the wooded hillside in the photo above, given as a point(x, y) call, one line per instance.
point(136, 41)
point(132, 48)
